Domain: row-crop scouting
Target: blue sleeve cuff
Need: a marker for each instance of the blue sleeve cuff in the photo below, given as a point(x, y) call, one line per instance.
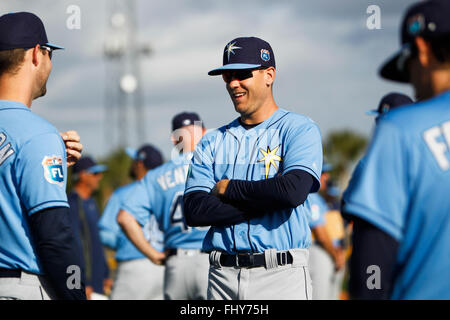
point(374, 218)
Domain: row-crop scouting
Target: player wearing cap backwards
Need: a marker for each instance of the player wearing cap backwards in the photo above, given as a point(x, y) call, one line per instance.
point(160, 193)
point(249, 180)
point(137, 278)
point(399, 200)
point(39, 256)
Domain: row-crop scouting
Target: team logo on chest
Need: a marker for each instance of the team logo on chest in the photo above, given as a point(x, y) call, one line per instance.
point(53, 170)
point(270, 157)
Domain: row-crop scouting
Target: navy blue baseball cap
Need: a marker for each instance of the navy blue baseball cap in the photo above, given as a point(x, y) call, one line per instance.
point(88, 165)
point(23, 30)
point(390, 101)
point(185, 119)
point(428, 19)
point(148, 154)
point(246, 53)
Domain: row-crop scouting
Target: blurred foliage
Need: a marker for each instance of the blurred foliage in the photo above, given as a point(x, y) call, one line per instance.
point(342, 148)
point(117, 175)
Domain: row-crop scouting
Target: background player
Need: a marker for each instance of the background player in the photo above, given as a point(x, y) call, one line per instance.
point(399, 199)
point(326, 255)
point(37, 246)
point(84, 215)
point(137, 278)
point(160, 193)
point(249, 180)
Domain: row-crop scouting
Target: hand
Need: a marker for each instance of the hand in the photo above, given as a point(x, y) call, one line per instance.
point(73, 146)
point(158, 258)
point(220, 188)
point(107, 286)
point(339, 259)
point(89, 291)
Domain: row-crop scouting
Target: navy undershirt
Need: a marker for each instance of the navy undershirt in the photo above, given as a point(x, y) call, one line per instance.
point(244, 200)
point(371, 247)
point(57, 249)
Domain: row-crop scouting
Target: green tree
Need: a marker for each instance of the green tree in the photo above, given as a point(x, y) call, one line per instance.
point(342, 148)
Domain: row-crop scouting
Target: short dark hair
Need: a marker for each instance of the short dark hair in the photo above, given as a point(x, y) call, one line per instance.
point(441, 48)
point(11, 60)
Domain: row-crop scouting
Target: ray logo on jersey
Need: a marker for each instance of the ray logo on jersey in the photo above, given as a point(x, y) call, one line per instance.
point(53, 170)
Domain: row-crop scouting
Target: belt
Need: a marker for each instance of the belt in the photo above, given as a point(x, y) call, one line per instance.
point(252, 260)
point(183, 252)
point(10, 273)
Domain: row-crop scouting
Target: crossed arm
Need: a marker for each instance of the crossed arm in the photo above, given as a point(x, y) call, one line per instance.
point(235, 201)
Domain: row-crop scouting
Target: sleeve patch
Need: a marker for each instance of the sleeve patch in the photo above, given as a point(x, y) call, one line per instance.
point(53, 170)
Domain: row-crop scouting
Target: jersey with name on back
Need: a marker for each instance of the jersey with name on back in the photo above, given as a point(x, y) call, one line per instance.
point(33, 175)
point(112, 235)
point(160, 193)
point(403, 188)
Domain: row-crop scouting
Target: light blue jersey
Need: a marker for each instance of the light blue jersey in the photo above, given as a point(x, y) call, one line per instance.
point(403, 188)
point(112, 235)
point(283, 142)
point(160, 193)
point(33, 175)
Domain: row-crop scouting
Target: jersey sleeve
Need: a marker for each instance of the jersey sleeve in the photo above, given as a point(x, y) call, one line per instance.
point(304, 151)
point(138, 200)
point(41, 173)
point(108, 227)
point(378, 191)
point(201, 174)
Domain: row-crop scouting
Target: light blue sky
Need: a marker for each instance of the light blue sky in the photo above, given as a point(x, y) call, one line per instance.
point(327, 61)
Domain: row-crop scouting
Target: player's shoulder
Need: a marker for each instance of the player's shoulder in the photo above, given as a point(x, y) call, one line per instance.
point(294, 119)
point(293, 122)
point(122, 190)
point(23, 125)
point(418, 115)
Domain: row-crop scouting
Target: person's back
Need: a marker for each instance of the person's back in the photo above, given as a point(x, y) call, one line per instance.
point(20, 149)
point(164, 189)
point(421, 215)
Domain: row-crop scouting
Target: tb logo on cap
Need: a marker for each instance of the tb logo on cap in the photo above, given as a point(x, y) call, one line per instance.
point(230, 49)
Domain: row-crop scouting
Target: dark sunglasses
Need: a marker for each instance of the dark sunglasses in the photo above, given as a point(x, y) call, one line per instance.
point(50, 51)
point(240, 75)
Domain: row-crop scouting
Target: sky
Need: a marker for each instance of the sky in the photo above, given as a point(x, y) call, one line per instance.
point(327, 63)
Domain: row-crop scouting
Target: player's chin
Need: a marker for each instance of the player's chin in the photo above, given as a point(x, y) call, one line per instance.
point(41, 92)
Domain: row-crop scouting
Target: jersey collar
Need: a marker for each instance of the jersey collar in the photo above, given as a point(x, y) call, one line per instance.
point(235, 127)
point(8, 104)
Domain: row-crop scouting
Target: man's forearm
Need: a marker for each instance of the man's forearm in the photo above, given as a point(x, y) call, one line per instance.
point(134, 232)
point(203, 209)
point(286, 191)
point(58, 252)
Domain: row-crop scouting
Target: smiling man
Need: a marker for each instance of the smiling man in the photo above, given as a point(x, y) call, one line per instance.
point(249, 180)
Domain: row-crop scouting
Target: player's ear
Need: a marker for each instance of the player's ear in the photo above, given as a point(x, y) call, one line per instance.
point(269, 76)
point(424, 52)
point(36, 55)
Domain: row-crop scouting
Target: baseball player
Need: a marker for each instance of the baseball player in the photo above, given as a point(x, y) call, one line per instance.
point(160, 193)
point(388, 102)
point(399, 199)
point(137, 278)
point(249, 179)
point(39, 257)
point(327, 258)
